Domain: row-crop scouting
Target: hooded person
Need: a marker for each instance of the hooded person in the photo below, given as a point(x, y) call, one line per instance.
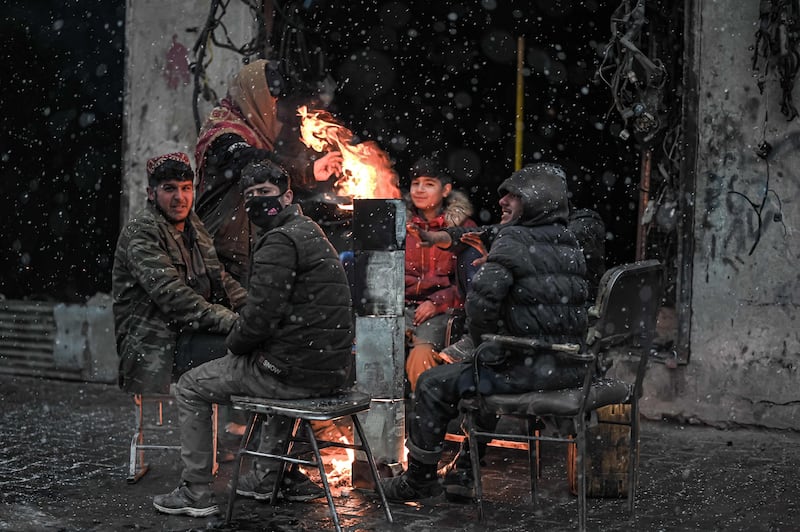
point(532, 285)
point(251, 124)
point(293, 339)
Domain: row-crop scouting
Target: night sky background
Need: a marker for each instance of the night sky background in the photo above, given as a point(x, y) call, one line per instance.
point(417, 77)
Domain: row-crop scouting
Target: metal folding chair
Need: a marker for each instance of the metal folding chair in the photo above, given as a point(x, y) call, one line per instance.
point(149, 412)
point(628, 300)
point(304, 411)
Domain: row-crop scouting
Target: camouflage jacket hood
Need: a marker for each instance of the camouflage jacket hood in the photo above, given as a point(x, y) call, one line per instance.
point(152, 303)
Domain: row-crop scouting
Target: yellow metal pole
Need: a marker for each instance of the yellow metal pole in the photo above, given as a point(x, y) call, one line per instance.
point(519, 123)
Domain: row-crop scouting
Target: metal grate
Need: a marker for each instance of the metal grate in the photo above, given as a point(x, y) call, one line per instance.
point(27, 340)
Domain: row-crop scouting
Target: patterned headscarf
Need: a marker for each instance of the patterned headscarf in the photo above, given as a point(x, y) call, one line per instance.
point(249, 90)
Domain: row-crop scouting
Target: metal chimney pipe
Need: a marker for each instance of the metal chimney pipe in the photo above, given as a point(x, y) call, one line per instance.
point(379, 235)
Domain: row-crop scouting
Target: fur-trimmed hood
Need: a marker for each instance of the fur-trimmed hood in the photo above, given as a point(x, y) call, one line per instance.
point(457, 208)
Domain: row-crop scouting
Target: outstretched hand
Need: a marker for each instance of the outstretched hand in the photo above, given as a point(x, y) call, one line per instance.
point(473, 239)
point(429, 238)
point(444, 358)
point(328, 165)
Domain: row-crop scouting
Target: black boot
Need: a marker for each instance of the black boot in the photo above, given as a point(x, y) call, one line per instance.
point(419, 481)
point(458, 481)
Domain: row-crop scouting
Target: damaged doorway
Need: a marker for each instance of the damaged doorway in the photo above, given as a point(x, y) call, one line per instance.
point(601, 90)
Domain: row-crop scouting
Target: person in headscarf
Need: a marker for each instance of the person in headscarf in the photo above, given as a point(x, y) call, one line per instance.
point(252, 122)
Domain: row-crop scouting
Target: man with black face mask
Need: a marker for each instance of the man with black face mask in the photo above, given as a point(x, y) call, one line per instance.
point(293, 339)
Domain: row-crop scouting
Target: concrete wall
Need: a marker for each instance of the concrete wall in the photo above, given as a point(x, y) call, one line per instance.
point(745, 343)
point(160, 35)
point(85, 341)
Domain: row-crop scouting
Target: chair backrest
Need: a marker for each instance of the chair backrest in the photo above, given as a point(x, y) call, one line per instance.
point(627, 304)
point(628, 300)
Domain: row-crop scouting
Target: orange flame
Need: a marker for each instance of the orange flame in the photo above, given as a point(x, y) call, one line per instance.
point(366, 169)
point(338, 463)
point(341, 467)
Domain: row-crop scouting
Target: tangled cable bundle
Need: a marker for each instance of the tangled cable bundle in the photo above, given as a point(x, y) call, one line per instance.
point(776, 46)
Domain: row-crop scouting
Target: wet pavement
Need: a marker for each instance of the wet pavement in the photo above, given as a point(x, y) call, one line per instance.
point(64, 460)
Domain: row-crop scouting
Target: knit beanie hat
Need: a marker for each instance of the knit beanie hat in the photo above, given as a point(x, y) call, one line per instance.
point(170, 166)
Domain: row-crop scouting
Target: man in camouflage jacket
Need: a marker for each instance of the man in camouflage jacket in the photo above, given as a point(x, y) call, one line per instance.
point(166, 279)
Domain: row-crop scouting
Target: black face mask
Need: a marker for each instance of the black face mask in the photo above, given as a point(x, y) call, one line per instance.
point(262, 209)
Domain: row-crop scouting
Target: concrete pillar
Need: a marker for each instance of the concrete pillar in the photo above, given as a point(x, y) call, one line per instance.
point(158, 117)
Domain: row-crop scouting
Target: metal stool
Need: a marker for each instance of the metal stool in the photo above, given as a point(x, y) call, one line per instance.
point(137, 466)
point(304, 411)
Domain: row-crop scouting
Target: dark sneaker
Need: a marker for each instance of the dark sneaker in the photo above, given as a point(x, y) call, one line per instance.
point(404, 488)
point(250, 486)
point(183, 501)
point(461, 350)
point(295, 487)
point(459, 486)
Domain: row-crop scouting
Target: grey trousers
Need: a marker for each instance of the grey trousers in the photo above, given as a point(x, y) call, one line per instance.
point(215, 382)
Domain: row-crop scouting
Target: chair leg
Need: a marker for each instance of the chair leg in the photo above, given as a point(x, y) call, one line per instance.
point(312, 438)
point(248, 434)
point(288, 443)
point(580, 467)
point(633, 456)
point(214, 434)
point(533, 460)
point(136, 465)
point(372, 466)
point(475, 460)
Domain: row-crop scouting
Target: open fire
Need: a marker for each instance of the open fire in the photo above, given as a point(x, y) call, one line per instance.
point(366, 169)
point(337, 460)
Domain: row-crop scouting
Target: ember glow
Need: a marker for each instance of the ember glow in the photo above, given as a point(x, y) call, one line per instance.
point(366, 169)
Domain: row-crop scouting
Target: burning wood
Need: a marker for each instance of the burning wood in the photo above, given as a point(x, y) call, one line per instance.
point(337, 460)
point(366, 169)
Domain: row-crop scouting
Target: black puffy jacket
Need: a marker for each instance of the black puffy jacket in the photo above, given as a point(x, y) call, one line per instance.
point(299, 311)
point(532, 283)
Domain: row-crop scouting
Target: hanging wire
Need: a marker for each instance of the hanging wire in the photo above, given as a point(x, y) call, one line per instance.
point(292, 54)
point(776, 47)
point(215, 34)
point(636, 81)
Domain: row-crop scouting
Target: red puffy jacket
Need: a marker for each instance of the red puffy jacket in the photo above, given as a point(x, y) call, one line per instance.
point(431, 271)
